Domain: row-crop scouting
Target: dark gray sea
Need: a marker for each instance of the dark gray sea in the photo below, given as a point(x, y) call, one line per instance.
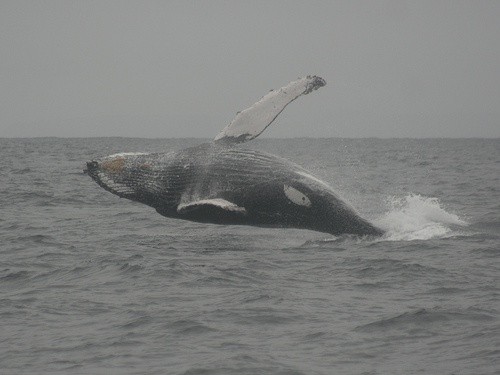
point(94, 284)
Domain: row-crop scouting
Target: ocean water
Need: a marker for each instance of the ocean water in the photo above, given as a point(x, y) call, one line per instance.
point(94, 284)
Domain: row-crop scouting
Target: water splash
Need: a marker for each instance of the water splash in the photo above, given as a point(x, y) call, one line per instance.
point(415, 217)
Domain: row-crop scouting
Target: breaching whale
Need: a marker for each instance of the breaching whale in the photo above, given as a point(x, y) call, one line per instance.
point(221, 183)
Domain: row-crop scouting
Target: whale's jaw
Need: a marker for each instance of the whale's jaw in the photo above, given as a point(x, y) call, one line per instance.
point(364, 228)
point(114, 174)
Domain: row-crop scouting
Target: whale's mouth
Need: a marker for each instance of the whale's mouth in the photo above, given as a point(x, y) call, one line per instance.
point(108, 174)
point(90, 168)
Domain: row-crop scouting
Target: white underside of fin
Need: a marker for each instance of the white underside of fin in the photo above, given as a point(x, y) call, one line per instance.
point(249, 123)
point(216, 202)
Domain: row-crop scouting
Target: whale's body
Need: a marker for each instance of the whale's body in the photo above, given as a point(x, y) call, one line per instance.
point(221, 183)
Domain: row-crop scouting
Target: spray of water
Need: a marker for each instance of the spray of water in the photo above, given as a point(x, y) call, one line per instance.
point(415, 217)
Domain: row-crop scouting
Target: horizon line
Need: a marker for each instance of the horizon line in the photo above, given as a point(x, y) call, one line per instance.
point(260, 138)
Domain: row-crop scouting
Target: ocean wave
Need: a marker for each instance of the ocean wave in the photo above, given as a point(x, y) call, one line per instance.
point(423, 319)
point(14, 275)
point(385, 266)
point(128, 268)
point(190, 327)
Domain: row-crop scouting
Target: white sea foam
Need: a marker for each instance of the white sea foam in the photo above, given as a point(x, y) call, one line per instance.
point(415, 217)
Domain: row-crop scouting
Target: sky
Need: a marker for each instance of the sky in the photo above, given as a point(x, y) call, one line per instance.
point(167, 69)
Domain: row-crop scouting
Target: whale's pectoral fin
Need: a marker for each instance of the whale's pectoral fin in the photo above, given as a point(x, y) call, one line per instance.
point(212, 210)
point(219, 203)
point(248, 124)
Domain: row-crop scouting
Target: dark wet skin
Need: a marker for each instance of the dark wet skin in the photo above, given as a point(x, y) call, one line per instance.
point(253, 181)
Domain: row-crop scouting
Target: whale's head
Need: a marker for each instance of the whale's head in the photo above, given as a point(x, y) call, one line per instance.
point(127, 175)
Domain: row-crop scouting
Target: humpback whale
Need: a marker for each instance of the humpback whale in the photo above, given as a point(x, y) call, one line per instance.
point(221, 183)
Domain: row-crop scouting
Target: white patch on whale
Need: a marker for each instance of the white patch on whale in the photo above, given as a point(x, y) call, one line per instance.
point(216, 202)
point(296, 196)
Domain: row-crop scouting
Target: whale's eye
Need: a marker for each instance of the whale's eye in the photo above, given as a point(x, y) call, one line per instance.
point(296, 196)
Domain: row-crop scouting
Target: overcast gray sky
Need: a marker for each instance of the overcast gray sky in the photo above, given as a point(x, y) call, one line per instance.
point(184, 68)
